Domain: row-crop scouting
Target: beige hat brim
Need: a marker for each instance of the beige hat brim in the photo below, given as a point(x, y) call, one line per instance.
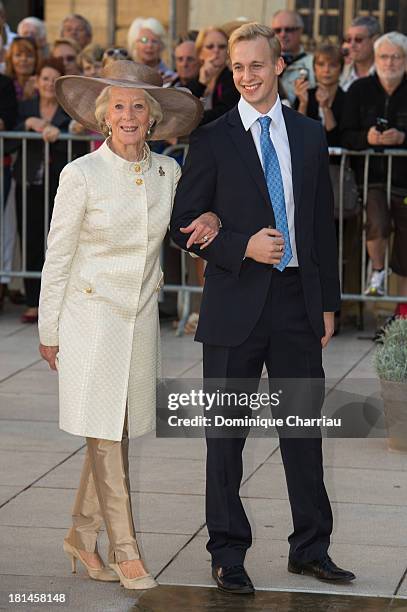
point(182, 111)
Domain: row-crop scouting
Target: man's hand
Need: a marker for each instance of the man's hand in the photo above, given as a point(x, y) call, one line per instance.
point(392, 137)
point(329, 323)
point(267, 246)
point(204, 230)
point(49, 353)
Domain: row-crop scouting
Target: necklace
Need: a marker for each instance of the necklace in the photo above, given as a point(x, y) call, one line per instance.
point(146, 153)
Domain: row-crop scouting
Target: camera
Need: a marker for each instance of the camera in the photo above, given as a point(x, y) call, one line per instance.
point(382, 124)
point(303, 74)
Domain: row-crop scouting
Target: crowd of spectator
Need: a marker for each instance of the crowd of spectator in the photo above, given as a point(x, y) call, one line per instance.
point(358, 90)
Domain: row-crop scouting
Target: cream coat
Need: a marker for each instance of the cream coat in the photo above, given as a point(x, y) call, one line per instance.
point(99, 291)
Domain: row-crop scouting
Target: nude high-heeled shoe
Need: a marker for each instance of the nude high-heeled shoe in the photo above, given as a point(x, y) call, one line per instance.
point(141, 583)
point(105, 574)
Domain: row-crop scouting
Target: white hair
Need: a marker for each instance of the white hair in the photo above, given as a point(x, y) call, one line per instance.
point(150, 23)
point(102, 104)
point(37, 23)
point(393, 38)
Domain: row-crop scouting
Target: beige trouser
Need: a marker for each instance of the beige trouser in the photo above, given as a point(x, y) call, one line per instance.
point(104, 496)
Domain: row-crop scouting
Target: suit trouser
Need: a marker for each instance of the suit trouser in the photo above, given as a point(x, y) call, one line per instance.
point(104, 496)
point(284, 341)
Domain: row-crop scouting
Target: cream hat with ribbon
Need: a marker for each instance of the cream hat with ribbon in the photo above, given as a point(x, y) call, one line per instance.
point(182, 112)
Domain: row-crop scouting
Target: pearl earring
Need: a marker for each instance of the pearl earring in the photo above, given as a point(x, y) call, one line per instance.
point(109, 128)
point(150, 125)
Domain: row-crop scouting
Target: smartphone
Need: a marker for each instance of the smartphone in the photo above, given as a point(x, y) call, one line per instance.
point(382, 124)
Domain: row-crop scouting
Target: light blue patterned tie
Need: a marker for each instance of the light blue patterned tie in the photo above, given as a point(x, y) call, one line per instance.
point(275, 188)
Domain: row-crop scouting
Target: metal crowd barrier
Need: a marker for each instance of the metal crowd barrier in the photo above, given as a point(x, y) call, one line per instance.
point(183, 289)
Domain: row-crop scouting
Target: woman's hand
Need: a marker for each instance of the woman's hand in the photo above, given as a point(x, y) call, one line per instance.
point(30, 87)
point(301, 87)
point(322, 97)
point(204, 230)
point(76, 128)
point(208, 71)
point(36, 124)
point(49, 353)
point(50, 133)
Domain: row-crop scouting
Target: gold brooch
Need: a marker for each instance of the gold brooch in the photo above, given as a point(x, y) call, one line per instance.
point(161, 171)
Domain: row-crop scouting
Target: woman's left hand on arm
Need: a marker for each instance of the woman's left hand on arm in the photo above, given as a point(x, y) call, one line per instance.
point(49, 353)
point(204, 230)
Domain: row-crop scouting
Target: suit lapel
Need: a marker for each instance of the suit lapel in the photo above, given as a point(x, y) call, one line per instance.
point(247, 150)
point(296, 142)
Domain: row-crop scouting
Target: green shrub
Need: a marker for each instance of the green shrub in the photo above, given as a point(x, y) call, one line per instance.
point(391, 357)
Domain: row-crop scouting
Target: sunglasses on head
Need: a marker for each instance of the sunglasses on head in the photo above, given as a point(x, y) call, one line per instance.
point(116, 51)
point(288, 30)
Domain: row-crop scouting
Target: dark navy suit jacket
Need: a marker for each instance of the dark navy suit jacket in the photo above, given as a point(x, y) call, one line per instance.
point(223, 174)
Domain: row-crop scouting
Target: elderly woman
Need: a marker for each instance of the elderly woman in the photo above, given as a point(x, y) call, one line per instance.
point(98, 318)
point(145, 41)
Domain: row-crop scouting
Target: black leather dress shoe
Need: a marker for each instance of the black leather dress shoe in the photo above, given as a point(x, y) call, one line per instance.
point(324, 569)
point(233, 579)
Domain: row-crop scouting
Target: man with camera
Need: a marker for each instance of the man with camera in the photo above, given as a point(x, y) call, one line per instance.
point(375, 116)
point(288, 26)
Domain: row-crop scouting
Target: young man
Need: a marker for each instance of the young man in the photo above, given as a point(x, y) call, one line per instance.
point(270, 293)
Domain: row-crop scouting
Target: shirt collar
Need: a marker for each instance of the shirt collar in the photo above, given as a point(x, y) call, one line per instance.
point(353, 74)
point(249, 114)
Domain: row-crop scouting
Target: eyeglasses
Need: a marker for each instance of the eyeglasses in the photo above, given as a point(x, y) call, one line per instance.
point(393, 58)
point(211, 46)
point(357, 39)
point(144, 40)
point(289, 30)
point(116, 51)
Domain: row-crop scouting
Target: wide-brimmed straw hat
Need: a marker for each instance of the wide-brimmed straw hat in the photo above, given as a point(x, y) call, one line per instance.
point(182, 112)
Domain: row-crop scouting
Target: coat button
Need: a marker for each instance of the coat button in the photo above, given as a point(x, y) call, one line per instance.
point(88, 290)
point(139, 181)
point(137, 168)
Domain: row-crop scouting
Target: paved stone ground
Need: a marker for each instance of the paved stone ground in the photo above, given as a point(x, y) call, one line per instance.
point(40, 468)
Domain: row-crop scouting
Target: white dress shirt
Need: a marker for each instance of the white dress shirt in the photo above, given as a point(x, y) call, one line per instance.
point(349, 76)
point(279, 138)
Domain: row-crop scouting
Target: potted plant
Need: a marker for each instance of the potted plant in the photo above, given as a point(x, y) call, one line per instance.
point(391, 367)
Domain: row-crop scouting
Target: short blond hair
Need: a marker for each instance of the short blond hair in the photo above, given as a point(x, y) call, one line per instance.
point(102, 102)
point(251, 31)
point(202, 34)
